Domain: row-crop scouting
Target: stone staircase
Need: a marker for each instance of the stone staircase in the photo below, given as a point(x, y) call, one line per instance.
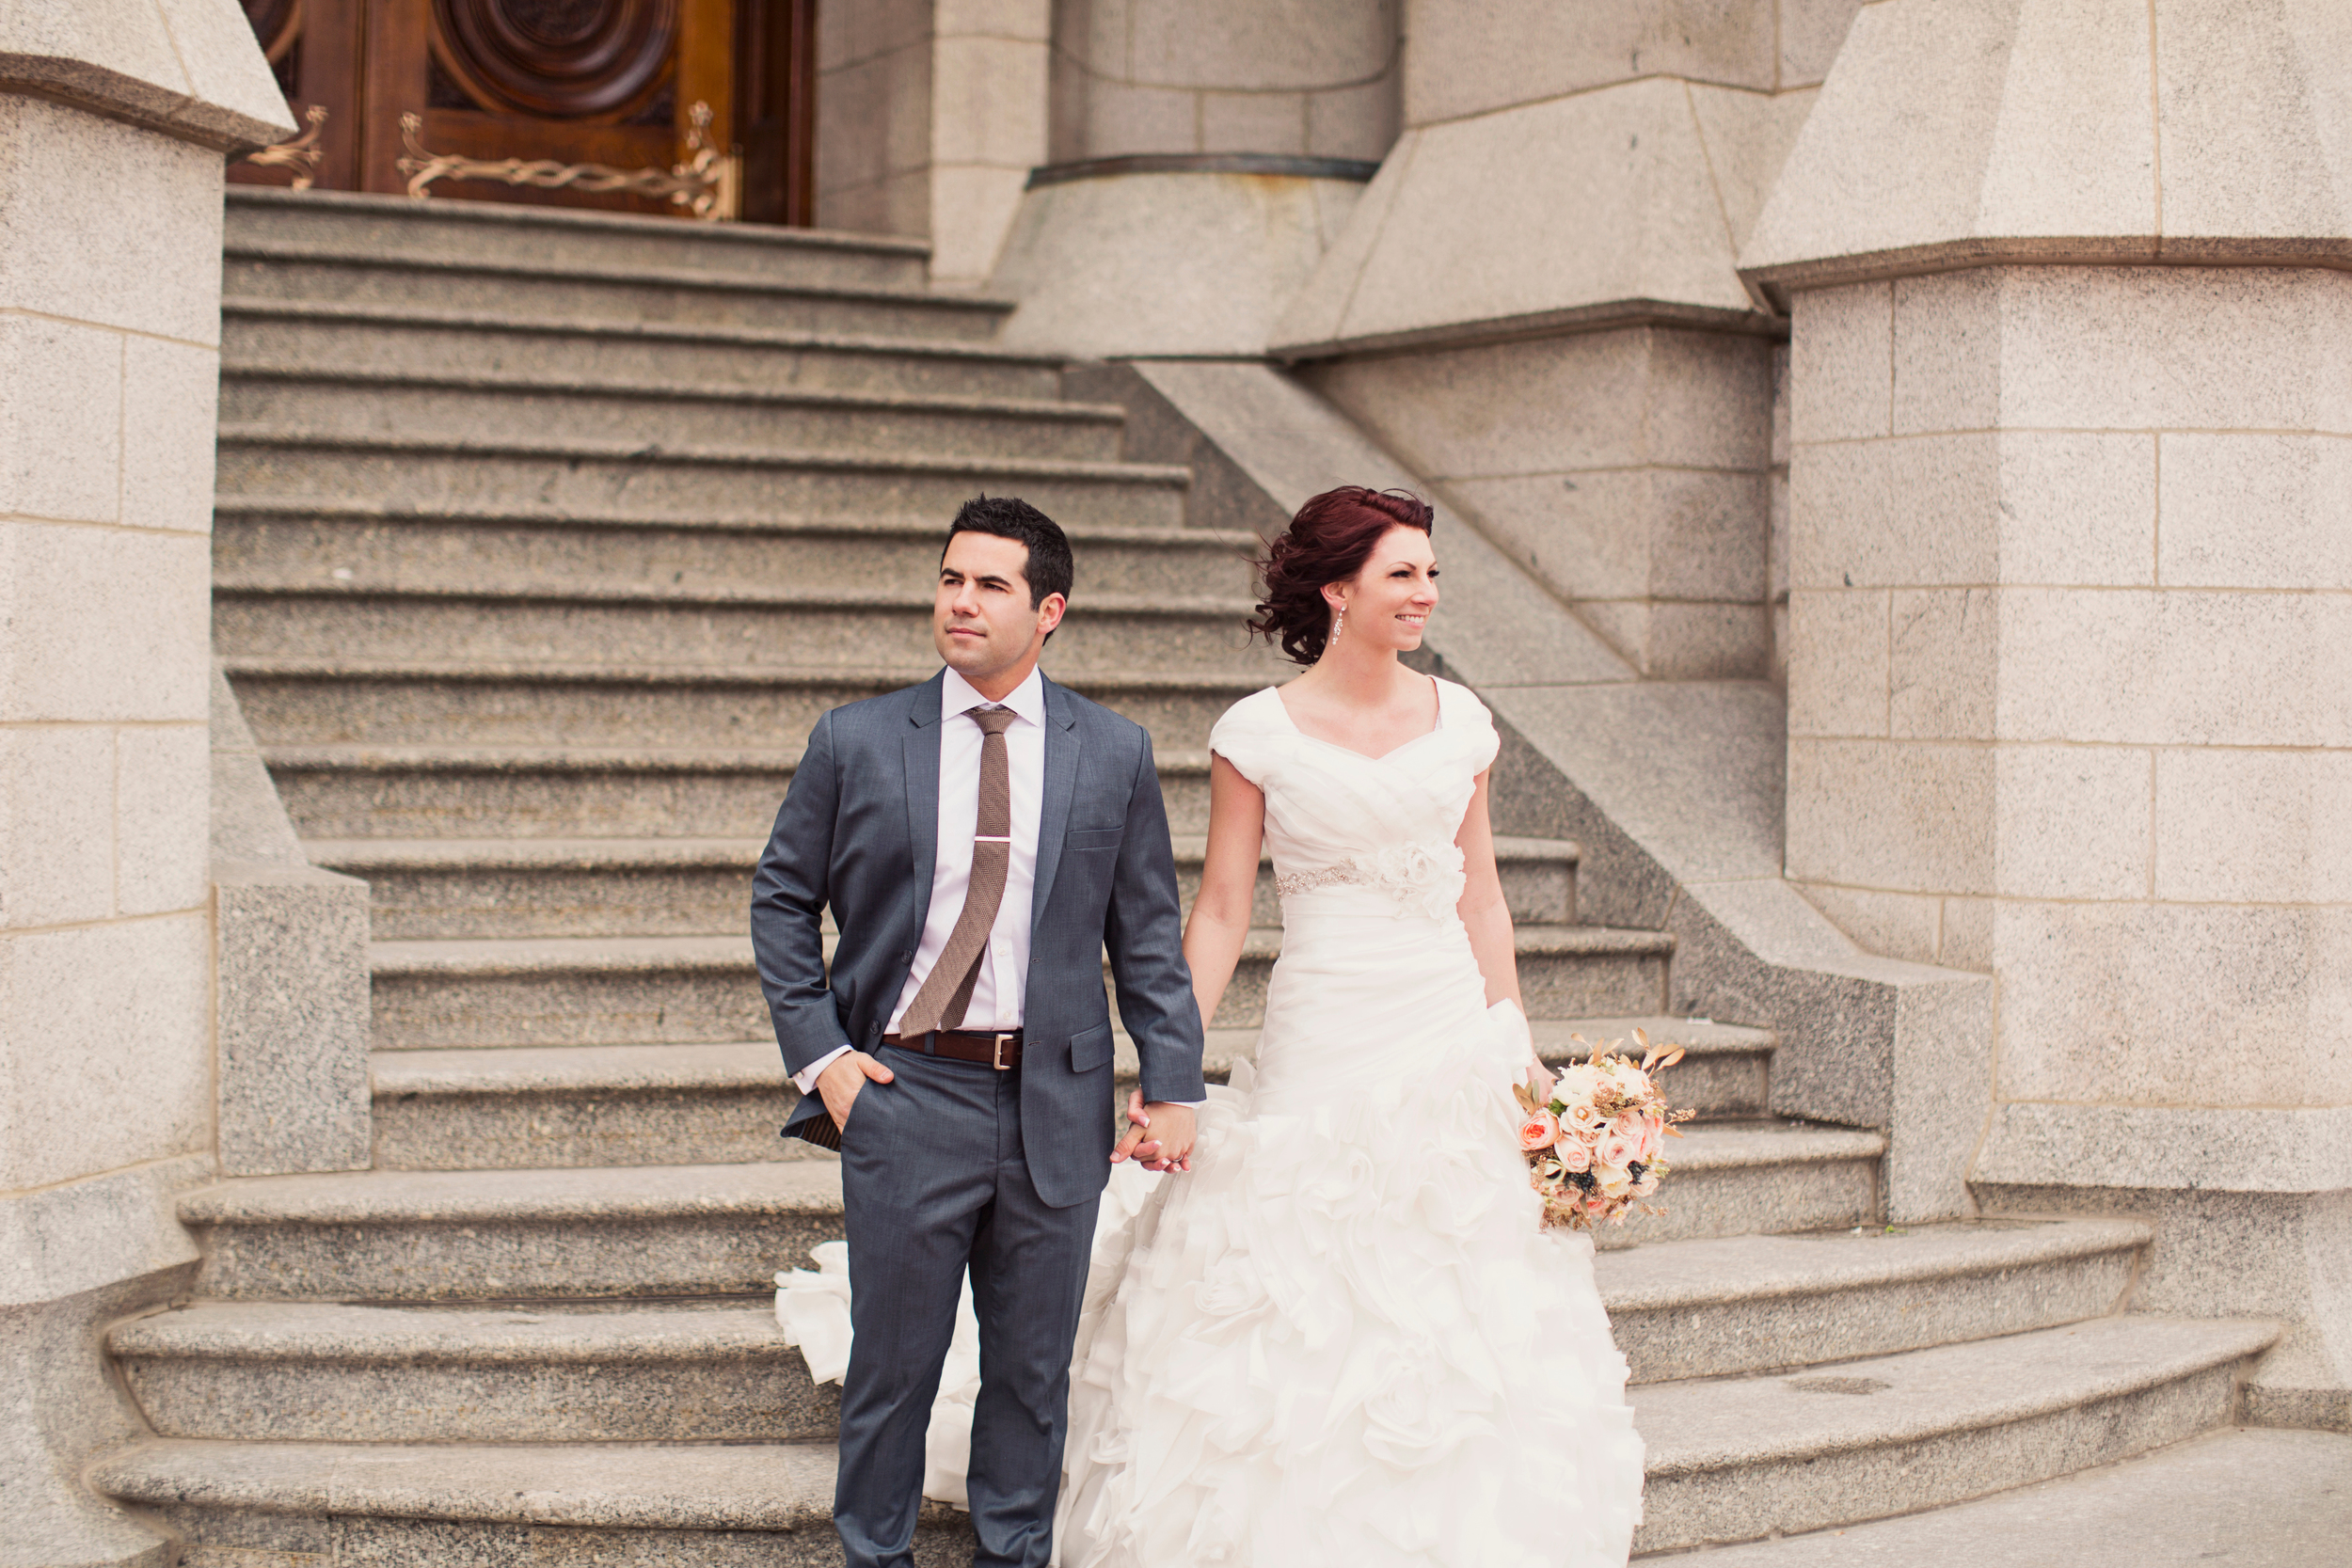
point(542, 539)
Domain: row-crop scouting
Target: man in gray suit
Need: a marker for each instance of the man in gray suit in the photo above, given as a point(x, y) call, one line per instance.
point(981, 839)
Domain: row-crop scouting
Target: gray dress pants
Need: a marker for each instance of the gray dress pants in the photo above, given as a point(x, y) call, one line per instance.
point(933, 1181)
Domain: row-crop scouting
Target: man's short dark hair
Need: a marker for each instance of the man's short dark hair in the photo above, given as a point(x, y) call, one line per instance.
point(1050, 568)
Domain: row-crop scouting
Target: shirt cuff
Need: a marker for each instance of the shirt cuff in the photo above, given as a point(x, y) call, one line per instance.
point(805, 1080)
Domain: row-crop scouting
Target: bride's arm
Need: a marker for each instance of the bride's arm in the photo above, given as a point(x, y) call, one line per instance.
point(1229, 880)
point(1485, 915)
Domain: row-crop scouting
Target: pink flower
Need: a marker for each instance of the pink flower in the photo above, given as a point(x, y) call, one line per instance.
point(1539, 1131)
point(1618, 1150)
point(1626, 1124)
point(1653, 1136)
point(1574, 1157)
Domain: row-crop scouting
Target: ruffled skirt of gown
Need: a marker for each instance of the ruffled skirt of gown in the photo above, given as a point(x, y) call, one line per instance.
point(1343, 1337)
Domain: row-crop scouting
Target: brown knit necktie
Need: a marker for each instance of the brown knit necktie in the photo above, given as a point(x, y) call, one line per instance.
point(946, 990)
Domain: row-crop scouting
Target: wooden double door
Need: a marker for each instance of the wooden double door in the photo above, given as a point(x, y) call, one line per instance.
point(611, 82)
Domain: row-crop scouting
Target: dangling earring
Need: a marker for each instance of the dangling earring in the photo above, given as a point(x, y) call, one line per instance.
point(1339, 623)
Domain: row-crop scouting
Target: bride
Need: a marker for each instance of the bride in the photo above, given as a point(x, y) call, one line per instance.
point(1345, 1337)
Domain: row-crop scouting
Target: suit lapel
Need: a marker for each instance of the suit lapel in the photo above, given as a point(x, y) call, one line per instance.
point(1062, 783)
point(922, 780)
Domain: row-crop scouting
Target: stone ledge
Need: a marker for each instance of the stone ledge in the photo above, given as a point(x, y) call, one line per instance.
point(2260, 1149)
point(76, 1236)
point(184, 68)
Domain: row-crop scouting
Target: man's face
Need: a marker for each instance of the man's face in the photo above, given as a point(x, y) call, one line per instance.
point(982, 620)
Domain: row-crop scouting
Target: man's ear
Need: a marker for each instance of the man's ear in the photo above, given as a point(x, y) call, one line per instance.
point(1049, 613)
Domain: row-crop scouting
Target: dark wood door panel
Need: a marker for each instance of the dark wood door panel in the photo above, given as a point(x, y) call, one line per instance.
point(610, 82)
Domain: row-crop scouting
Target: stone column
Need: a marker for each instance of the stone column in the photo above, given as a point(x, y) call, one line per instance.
point(1537, 305)
point(2071, 646)
point(931, 114)
point(113, 123)
point(1204, 153)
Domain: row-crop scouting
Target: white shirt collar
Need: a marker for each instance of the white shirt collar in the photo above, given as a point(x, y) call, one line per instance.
point(1027, 700)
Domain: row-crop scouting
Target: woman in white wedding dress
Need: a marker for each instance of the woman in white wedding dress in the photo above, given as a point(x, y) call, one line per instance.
point(1343, 1336)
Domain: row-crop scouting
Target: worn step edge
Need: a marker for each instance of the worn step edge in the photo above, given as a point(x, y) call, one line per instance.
point(581, 759)
point(1161, 475)
point(250, 307)
point(554, 671)
point(1053, 410)
point(329, 205)
point(648, 955)
point(540, 591)
point(2007, 1379)
point(922, 529)
point(700, 280)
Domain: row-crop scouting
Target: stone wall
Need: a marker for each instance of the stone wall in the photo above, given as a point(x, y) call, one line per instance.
point(112, 129)
point(2070, 642)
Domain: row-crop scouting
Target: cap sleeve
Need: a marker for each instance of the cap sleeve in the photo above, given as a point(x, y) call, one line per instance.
point(1244, 736)
point(1468, 716)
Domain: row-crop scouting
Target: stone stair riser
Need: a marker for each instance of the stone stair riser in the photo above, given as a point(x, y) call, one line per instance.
point(1748, 1501)
point(543, 1007)
point(538, 1008)
point(254, 1538)
point(461, 231)
point(760, 1393)
point(456, 554)
point(573, 1130)
point(492, 802)
point(681, 710)
point(1725, 1339)
point(712, 299)
point(591, 481)
point(413, 902)
point(587, 412)
point(327, 344)
point(343, 624)
point(523, 802)
point(1813, 1194)
point(582, 1257)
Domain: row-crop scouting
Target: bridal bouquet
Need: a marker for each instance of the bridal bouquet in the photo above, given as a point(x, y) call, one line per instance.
point(1596, 1147)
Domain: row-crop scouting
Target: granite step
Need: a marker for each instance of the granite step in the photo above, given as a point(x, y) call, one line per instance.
point(326, 338)
point(718, 1370)
point(545, 886)
point(543, 471)
point(1740, 1459)
point(362, 402)
point(613, 1232)
point(348, 792)
point(260, 221)
point(325, 540)
point(601, 291)
point(656, 990)
point(1729, 1459)
point(713, 627)
point(728, 1505)
point(542, 703)
point(2223, 1499)
point(523, 1107)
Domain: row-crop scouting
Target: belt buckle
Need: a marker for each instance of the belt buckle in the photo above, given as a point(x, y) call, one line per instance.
point(996, 1050)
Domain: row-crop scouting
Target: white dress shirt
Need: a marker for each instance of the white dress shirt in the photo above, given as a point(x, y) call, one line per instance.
point(998, 989)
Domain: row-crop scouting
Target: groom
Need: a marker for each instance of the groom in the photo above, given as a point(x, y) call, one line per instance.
point(982, 839)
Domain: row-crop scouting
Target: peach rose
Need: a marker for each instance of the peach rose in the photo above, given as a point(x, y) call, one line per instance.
point(1574, 1157)
point(1617, 1150)
point(1539, 1131)
point(1626, 1124)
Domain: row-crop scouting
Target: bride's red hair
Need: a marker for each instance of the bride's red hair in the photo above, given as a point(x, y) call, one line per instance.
point(1327, 541)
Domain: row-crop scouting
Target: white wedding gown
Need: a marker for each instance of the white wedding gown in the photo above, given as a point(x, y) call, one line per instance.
point(1344, 1339)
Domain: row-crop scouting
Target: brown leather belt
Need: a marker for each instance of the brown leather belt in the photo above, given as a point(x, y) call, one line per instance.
point(997, 1048)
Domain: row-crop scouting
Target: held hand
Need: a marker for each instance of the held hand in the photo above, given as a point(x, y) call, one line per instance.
point(844, 1079)
point(1160, 1137)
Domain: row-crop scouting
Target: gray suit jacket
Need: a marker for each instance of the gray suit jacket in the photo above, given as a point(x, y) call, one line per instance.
point(858, 832)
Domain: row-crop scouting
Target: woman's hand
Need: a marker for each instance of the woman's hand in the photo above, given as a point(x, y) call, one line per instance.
point(1171, 1129)
point(1540, 1078)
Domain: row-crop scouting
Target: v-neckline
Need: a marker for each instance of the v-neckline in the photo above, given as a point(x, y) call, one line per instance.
point(1438, 725)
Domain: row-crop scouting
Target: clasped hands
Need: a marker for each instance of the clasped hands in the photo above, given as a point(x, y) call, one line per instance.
point(1170, 1128)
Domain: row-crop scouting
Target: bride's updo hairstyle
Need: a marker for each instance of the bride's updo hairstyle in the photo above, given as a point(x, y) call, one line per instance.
point(1327, 541)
